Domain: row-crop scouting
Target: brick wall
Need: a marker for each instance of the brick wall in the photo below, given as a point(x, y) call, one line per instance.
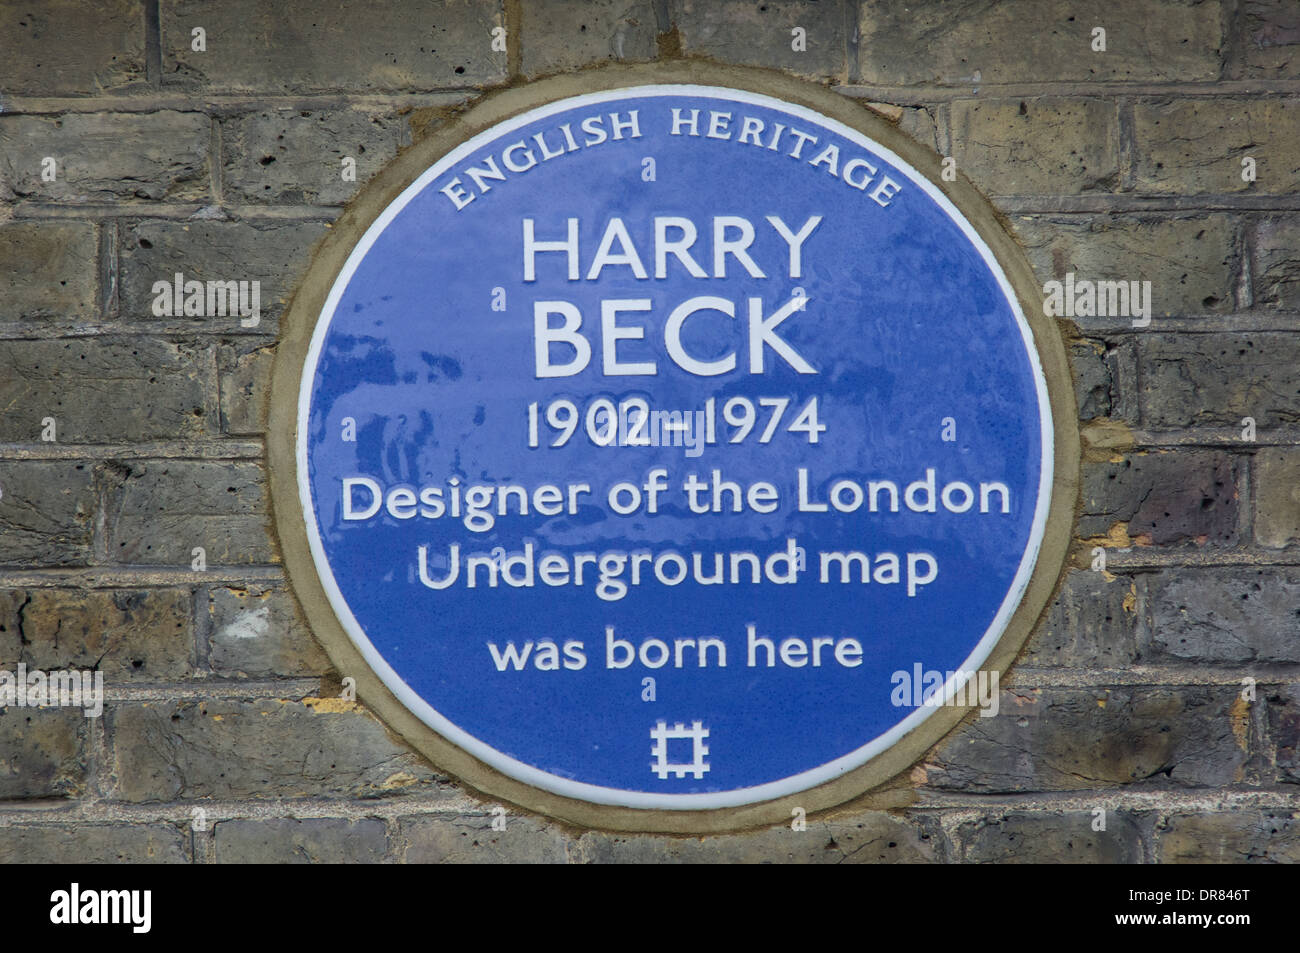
point(225, 163)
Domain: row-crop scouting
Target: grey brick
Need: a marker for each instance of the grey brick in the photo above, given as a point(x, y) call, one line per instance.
point(289, 840)
point(1169, 497)
point(256, 749)
point(105, 390)
point(1094, 379)
point(1225, 615)
point(245, 374)
point(1092, 624)
point(1037, 146)
point(42, 752)
point(403, 45)
point(71, 48)
point(1277, 497)
point(1188, 259)
point(470, 839)
point(106, 157)
point(47, 269)
point(258, 632)
point(970, 42)
point(759, 34)
point(873, 838)
point(1284, 731)
point(293, 156)
point(1230, 837)
point(1209, 380)
point(1275, 263)
point(47, 511)
point(128, 634)
point(164, 508)
point(1058, 837)
point(130, 843)
point(1187, 147)
point(1067, 739)
point(1267, 41)
point(562, 35)
point(275, 255)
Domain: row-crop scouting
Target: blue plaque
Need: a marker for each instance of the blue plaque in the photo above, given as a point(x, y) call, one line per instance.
point(674, 447)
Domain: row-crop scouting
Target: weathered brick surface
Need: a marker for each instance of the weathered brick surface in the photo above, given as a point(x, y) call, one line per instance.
point(359, 47)
point(47, 512)
point(1268, 44)
point(1184, 147)
point(1164, 498)
point(1224, 615)
point(94, 844)
point(130, 634)
point(560, 35)
point(258, 632)
point(164, 751)
point(1092, 624)
point(162, 509)
point(1037, 146)
point(295, 156)
point(470, 839)
point(102, 157)
point(244, 369)
point(68, 48)
point(106, 390)
point(1187, 258)
point(1023, 41)
point(1284, 729)
point(865, 839)
point(1230, 837)
point(42, 752)
point(1214, 380)
point(1094, 379)
point(274, 254)
point(1276, 263)
point(1093, 739)
point(1277, 497)
point(47, 270)
point(737, 31)
point(289, 840)
point(1052, 838)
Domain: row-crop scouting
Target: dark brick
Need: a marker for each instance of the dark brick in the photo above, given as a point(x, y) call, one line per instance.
point(105, 390)
point(275, 255)
point(404, 45)
point(1225, 615)
point(562, 35)
point(71, 48)
point(1268, 40)
point(47, 269)
point(736, 31)
point(257, 749)
point(1094, 380)
point(1230, 837)
point(119, 843)
point(106, 157)
point(165, 508)
point(1092, 624)
point(1214, 380)
point(1024, 837)
point(126, 634)
point(1276, 263)
point(1284, 730)
point(42, 752)
point(47, 511)
point(295, 156)
point(1164, 498)
point(970, 42)
point(290, 840)
point(1068, 739)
